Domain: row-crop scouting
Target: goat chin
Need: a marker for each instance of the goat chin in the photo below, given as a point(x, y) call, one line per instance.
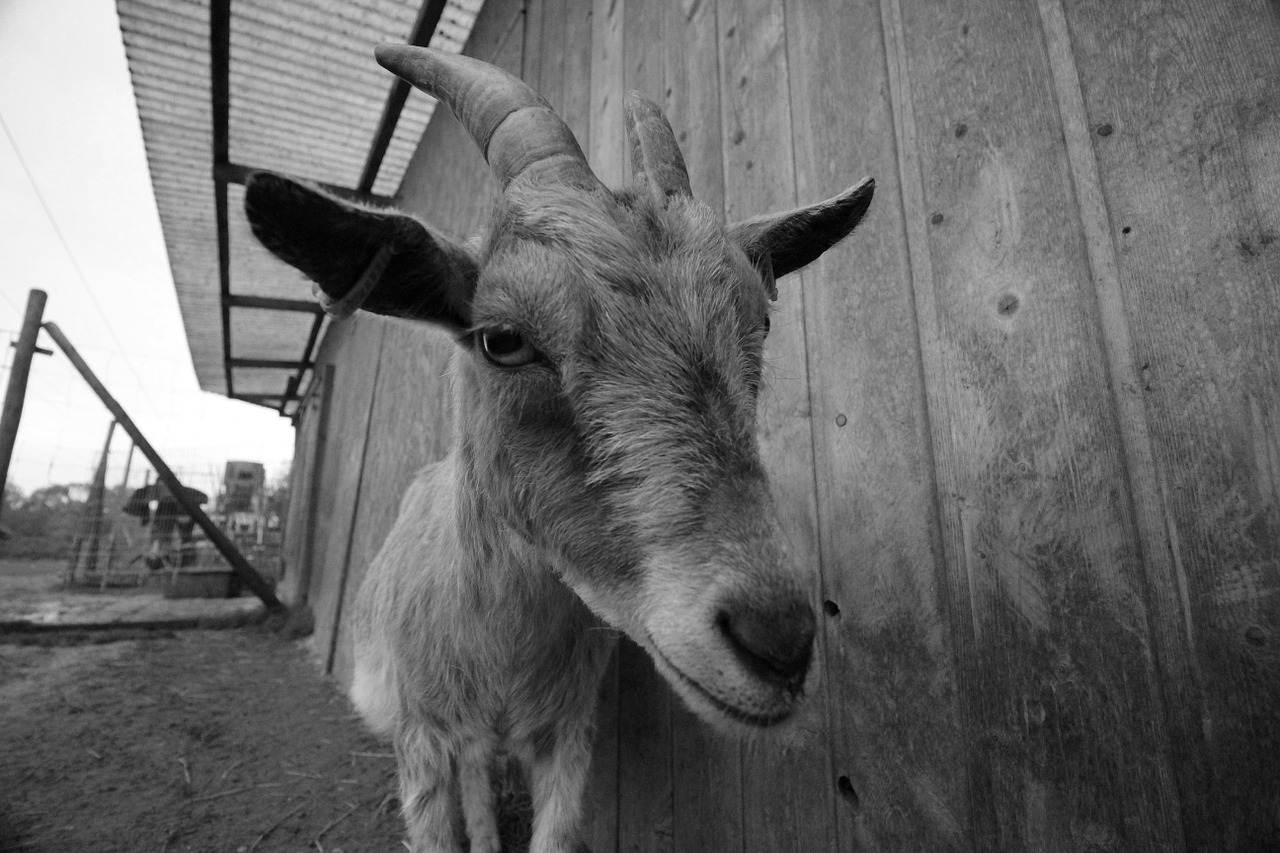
point(755, 712)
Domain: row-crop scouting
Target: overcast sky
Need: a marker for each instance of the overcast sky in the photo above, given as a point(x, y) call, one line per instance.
point(69, 115)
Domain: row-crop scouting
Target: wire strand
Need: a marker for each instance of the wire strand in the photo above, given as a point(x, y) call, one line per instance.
point(75, 265)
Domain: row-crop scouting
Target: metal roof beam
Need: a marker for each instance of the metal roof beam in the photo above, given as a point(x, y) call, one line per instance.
point(234, 173)
point(270, 363)
point(271, 303)
point(423, 28)
point(225, 172)
point(220, 97)
point(264, 399)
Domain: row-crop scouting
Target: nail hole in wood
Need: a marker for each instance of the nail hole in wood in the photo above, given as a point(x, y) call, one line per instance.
point(1126, 230)
point(846, 790)
point(841, 420)
point(830, 608)
point(936, 219)
point(1007, 305)
point(1105, 129)
point(961, 130)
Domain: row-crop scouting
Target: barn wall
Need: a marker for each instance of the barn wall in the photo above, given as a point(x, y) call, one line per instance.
point(1026, 421)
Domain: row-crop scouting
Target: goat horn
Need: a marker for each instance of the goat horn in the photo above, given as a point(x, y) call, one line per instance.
point(655, 156)
point(513, 126)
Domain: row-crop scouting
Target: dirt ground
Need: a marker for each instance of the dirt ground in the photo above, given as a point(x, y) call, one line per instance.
point(182, 741)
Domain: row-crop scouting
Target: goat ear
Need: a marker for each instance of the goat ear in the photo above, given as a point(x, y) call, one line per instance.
point(383, 261)
point(786, 242)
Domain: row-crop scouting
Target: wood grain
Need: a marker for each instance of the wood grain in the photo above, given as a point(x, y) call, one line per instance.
point(306, 478)
point(354, 348)
point(1025, 421)
point(576, 47)
point(608, 147)
point(1187, 169)
point(897, 733)
point(788, 793)
point(410, 427)
point(1062, 707)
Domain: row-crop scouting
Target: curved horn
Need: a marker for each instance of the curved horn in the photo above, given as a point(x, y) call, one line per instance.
point(655, 156)
point(514, 127)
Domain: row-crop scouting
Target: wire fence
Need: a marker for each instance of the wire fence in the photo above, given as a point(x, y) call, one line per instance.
point(119, 527)
point(81, 497)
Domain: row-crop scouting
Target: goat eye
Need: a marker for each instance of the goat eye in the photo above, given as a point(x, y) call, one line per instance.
point(506, 347)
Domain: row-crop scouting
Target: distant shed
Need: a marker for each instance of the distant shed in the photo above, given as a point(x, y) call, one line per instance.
point(1026, 421)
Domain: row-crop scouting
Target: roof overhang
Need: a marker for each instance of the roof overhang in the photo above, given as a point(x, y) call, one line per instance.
point(224, 89)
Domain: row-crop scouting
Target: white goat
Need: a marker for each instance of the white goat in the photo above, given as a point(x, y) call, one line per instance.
point(604, 470)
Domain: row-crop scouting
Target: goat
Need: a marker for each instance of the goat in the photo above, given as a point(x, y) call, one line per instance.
point(604, 474)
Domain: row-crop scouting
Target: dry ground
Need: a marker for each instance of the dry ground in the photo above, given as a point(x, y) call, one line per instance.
point(206, 741)
point(188, 741)
point(195, 741)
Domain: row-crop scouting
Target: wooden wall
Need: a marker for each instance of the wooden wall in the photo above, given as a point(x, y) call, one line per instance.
point(1026, 420)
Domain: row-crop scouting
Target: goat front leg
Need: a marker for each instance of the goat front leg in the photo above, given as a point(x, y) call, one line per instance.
point(559, 778)
point(428, 792)
point(479, 805)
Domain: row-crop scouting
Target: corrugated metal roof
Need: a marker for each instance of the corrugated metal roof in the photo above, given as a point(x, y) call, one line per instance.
point(304, 97)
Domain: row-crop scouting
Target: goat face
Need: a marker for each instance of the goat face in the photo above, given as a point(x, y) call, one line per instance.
point(611, 355)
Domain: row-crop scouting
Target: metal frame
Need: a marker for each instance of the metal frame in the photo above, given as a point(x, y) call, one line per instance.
point(225, 172)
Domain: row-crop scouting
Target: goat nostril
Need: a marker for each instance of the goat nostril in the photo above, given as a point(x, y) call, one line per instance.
point(774, 643)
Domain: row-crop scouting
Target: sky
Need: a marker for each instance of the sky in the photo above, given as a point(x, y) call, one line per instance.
point(78, 220)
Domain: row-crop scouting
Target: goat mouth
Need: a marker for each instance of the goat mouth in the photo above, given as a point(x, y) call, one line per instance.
point(731, 711)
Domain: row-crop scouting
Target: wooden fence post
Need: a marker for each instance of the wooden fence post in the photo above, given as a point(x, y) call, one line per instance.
point(91, 519)
point(16, 394)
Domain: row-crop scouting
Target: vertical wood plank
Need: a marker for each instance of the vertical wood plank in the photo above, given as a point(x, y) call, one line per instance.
point(788, 794)
point(1056, 665)
point(692, 96)
point(353, 347)
point(410, 427)
point(644, 805)
point(600, 804)
point(550, 79)
point(305, 478)
point(608, 66)
point(706, 766)
point(897, 733)
point(577, 50)
point(1179, 132)
point(532, 59)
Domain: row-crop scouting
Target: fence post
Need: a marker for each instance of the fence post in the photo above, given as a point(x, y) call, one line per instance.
point(93, 509)
point(16, 394)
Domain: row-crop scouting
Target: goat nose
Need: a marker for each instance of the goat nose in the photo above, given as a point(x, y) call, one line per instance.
point(774, 642)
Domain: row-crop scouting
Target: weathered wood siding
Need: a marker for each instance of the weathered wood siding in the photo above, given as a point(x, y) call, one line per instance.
point(1026, 421)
